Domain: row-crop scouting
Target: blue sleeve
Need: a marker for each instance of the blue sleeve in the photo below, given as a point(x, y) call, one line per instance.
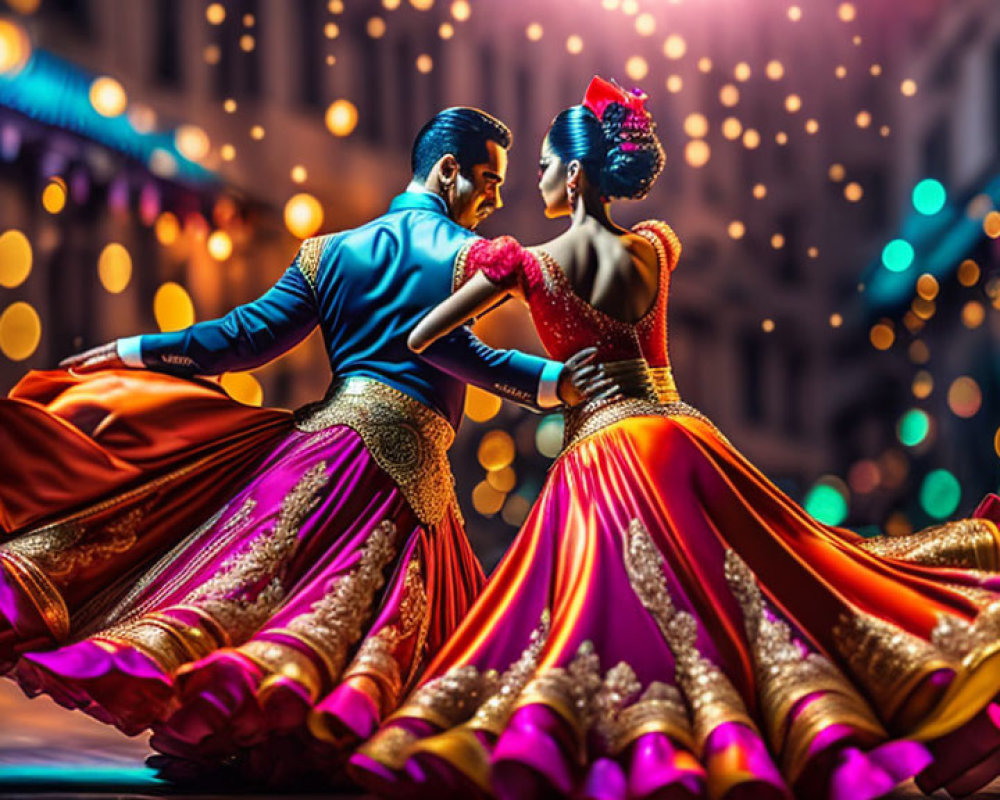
point(248, 336)
point(511, 374)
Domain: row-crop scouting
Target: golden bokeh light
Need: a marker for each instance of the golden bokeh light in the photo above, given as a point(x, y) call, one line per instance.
point(696, 125)
point(991, 224)
point(965, 398)
point(774, 70)
point(172, 307)
point(736, 229)
point(299, 174)
point(229, 105)
point(247, 43)
point(257, 132)
point(336, 6)
point(331, 30)
point(697, 152)
point(729, 95)
point(54, 196)
point(777, 241)
point(919, 352)
point(704, 64)
point(846, 12)
point(228, 152)
point(863, 119)
point(973, 314)
point(732, 128)
point(908, 87)
point(968, 273)
point(212, 54)
point(875, 70)
point(15, 258)
point(341, 117)
point(375, 27)
point(480, 405)
point(574, 45)
point(836, 172)
point(114, 268)
point(24, 6)
point(487, 500)
point(220, 245)
point(515, 510)
point(496, 450)
point(503, 480)
point(424, 63)
point(881, 336)
point(794, 13)
point(836, 320)
point(422, 5)
point(742, 72)
point(793, 103)
point(20, 331)
point(812, 126)
point(751, 139)
point(446, 30)
point(813, 252)
point(461, 10)
point(107, 96)
point(303, 215)
point(759, 191)
point(675, 83)
point(923, 385)
point(674, 47)
point(927, 286)
point(390, 5)
point(192, 142)
point(923, 308)
point(534, 32)
point(853, 192)
point(645, 24)
point(840, 71)
point(215, 13)
point(636, 68)
point(767, 325)
point(781, 138)
point(15, 48)
point(167, 228)
point(243, 388)
point(249, 20)
point(142, 118)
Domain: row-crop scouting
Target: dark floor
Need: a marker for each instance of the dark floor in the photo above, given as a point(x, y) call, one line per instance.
point(46, 751)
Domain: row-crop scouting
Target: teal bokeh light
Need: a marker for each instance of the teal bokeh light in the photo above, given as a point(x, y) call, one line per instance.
point(940, 493)
point(929, 196)
point(913, 427)
point(897, 255)
point(826, 504)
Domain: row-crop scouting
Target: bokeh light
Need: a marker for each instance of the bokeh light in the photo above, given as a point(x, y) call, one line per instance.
point(697, 152)
point(424, 63)
point(732, 128)
point(15, 258)
point(257, 132)
point(965, 398)
point(826, 501)
point(853, 192)
point(736, 229)
point(496, 450)
point(927, 286)
point(487, 500)
point(574, 45)
point(645, 24)
point(107, 97)
point(549, 435)
point(220, 245)
point(341, 117)
point(172, 307)
point(54, 196)
point(15, 48)
point(215, 13)
point(243, 388)
point(515, 510)
point(767, 325)
point(991, 224)
point(114, 268)
point(674, 47)
point(729, 95)
point(192, 142)
point(940, 494)
point(636, 68)
point(480, 405)
point(793, 103)
point(503, 480)
point(881, 336)
point(696, 125)
point(375, 27)
point(303, 215)
point(923, 385)
point(973, 314)
point(298, 174)
point(461, 10)
point(534, 32)
point(929, 196)
point(846, 12)
point(167, 228)
point(864, 476)
point(913, 427)
point(968, 273)
point(836, 172)
point(908, 87)
point(20, 331)
point(897, 255)
point(774, 70)
point(751, 139)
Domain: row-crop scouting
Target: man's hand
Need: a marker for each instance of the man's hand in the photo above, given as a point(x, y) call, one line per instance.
point(103, 357)
point(582, 380)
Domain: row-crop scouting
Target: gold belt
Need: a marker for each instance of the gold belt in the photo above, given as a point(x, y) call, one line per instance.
point(406, 438)
point(648, 391)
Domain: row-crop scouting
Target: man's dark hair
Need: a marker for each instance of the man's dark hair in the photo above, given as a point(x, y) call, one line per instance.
point(461, 131)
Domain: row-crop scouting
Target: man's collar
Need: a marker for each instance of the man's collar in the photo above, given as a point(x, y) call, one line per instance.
point(420, 199)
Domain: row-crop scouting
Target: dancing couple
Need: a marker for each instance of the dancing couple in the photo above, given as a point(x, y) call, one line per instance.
point(293, 595)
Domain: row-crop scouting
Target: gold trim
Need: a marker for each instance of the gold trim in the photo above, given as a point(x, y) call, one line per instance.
point(459, 270)
point(44, 597)
point(309, 257)
point(969, 543)
point(407, 439)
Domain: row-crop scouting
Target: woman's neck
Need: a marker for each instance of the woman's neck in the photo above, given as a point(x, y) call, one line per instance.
point(593, 212)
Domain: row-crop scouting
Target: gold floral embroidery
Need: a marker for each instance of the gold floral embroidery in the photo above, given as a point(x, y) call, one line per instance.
point(710, 694)
point(406, 438)
point(376, 658)
point(238, 599)
point(310, 255)
point(786, 677)
point(968, 543)
point(334, 622)
point(888, 661)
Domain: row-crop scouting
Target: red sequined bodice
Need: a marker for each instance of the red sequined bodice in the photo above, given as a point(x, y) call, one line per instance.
point(567, 323)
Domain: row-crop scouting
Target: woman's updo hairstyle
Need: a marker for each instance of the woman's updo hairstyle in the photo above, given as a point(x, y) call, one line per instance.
point(613, 137)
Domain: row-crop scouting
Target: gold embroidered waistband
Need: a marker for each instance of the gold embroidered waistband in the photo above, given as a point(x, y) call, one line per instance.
point(406, 438)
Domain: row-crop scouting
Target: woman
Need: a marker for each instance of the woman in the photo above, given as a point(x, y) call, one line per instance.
point(668, 623)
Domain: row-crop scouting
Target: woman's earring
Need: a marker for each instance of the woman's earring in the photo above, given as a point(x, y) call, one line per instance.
point(571, 195)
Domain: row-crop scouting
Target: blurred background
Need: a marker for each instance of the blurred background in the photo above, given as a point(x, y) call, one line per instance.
point(833, 172)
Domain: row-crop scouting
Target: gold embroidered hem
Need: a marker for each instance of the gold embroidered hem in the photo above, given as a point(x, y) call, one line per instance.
point(460, 269)
point(970, 543)
point(168, 641)
point(786, 677)
point(280, 661)
point(40, 591)
point(406, 438)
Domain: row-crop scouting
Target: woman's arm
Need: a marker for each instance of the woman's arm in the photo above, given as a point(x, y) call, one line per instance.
point(476, 296)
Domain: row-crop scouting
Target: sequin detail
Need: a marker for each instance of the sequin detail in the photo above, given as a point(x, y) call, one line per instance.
point(310, 255)
point(968, 543)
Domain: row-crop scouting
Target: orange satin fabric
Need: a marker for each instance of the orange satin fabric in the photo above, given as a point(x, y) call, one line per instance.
point(68, 440)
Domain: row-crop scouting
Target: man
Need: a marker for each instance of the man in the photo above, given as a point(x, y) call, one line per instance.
point(328, 647)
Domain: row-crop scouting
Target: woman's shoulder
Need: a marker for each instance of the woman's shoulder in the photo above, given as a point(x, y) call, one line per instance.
point(665, 235)
point(500, 259)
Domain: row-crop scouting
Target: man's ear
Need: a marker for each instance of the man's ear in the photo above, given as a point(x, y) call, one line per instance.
point(447, 169)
